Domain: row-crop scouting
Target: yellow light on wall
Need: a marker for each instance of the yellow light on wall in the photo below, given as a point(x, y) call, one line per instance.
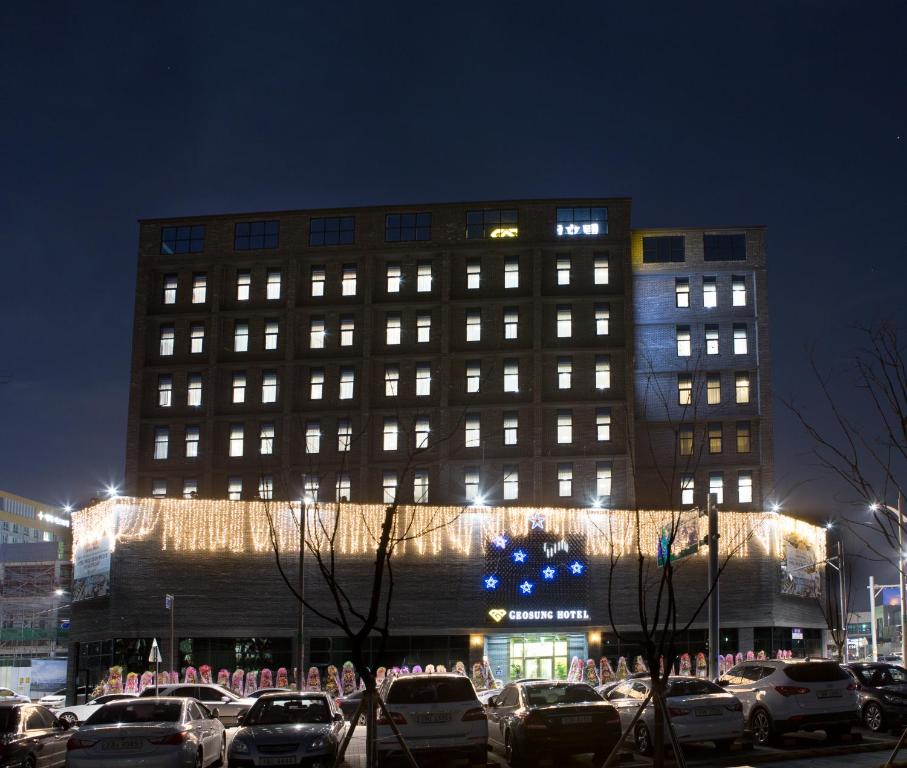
point(477, 641)
point(595, 638)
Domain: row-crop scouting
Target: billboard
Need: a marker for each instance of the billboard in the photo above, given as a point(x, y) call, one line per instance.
point(799, 570)
point(91, 569)
point(47, 676)
point(686, 538)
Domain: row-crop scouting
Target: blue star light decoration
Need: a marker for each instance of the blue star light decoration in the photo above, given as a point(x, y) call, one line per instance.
point(548, 573)
point(577, 568)
point(491, 582)
point(536, 522)
point(500, 541)
point(519, 556)
point(526, 587)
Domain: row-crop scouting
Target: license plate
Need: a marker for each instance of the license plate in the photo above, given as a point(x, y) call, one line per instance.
point(576, 719)
point(832, 693)
point(433, 717)
point(707, 712)
point(288, 760)
point(112, 744)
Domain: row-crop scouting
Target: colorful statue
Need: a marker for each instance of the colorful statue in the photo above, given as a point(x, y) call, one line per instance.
point(115, 680)
point(146, 681)
point(441, 669)
point(282, 679)
point(251, 683)
point(661, 666)
point(223, 678)
point(237, 681)
point(487, 674)
point(132, 683)
point(191, 677)
point(266, 680)
point(738, 659)
point(460, 668)
point(760, 656)
point(592, 673)
point(348, 679)
point(429, 669)
point(622, 670)
point(640, 665)
point(417, 670)
point(750, 656)
point(702, 667)
point(604, 670)
point(575, 671)
point(313, 681)
point(204, 674)
point(380, 674)
point(686, 668)
point(478, 679)
point(332, 682)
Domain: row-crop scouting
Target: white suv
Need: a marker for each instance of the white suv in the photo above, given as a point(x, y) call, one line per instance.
point(438, 714)
point(781, 696)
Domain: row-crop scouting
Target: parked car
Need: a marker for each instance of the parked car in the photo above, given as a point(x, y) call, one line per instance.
point(699, 710)
point(153, 733)
point(780, 696)
point(248, 701)
point(605, 688)
point(31, 736)
point(526, 720)
point(434, 713)
point(289, 729)
point(81, 712)
point(881, 693)
point(9, 695)
point(228, 703)
point(349, 705)
point(58, 698)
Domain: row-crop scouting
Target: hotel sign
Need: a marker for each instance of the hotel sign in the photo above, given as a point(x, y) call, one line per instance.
point(569, 615)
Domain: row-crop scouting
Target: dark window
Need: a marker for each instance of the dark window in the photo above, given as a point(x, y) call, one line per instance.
point(576, 222)
point(663, 250)
point(183, 239)
point(724, 247)
point(289, 710)
point(818, 672)
point(256, 235)
point(545, 695)
point(441, 690)
point(692, 687)
point(9, 720)
point(492, 223)
point(335, 230)
point(148, 711)
point(407, 226)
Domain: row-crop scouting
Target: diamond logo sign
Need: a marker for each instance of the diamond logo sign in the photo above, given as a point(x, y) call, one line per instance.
point(497, 613)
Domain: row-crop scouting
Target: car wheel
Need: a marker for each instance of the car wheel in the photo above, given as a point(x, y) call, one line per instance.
point(222, 760)
point(724, 745)
point(761, 726)
point(643, 739)
point(873, 717)
point(200, 759)
point(69, 718)
point(514, 755)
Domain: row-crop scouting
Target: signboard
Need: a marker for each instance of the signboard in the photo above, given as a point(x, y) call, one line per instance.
point(91, 569)
point(47, 675)
point(796, 633)
point(686, 539)
point(799, 571)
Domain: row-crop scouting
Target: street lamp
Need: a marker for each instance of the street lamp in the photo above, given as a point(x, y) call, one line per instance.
point(304, 504)
point(899, 511)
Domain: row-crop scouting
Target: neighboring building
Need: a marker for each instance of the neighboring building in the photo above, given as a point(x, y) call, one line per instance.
point(23, 521)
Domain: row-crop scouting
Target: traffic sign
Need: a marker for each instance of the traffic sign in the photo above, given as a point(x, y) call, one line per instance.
point(155, 656)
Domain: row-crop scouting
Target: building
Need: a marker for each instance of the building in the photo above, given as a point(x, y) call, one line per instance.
point(23, 521)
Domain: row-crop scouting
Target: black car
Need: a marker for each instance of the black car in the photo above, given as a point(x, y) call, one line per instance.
point(30, 735)
point(551, 717)
point(882, 691)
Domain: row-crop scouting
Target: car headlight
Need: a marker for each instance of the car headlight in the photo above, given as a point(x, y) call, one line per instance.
point(320, 743)
point(239, 747)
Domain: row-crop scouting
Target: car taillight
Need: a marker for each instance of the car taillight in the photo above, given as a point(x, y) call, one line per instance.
point(734, 706)
point(75, 743)
point(172, 738)
point(533, 722)
point(677, 712)
point(395, 716)
point(477, 713)
point(853, 687)
point(791, 690)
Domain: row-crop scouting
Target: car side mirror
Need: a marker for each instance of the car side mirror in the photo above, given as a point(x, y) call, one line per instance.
point(215, 713)
point(722, 682)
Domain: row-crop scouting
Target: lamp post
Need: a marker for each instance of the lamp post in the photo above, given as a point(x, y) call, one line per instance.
point(899, 511)
point(300, 642)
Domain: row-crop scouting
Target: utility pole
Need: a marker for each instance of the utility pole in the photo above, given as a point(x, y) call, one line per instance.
point(170, 604)
point(843, 600)
point(901, 584)
point(714, 633)
point(872, 618)
point(300, 640)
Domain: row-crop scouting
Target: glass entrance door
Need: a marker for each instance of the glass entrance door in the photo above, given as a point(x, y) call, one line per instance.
point(542, 656)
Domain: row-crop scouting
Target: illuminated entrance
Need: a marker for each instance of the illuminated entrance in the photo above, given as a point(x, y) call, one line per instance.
point(544, 656)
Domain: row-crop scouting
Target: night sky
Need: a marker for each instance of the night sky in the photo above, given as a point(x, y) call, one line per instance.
point(789, 114)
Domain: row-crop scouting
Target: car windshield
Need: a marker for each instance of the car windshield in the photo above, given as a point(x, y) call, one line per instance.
point(428, 691)
point(692, 688)
point(877, 676)
point(8, 719)
point(290, 709)
point(153, 711)
point(548, 695)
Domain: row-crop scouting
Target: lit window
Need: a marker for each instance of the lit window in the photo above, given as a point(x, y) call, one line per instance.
point(272, 329)
point(316, 383)
point(243, 285)
point(391, 380)
point(740, 341)
point(603, 472)
point(194, 390)
point(389, 487)
point(311, 484)
point(471, 483)
point(564, 372)
point(743, 437)
point(579, 222)
point(197, 339)
point(266, 487)
point(423, 328)
point(511, 323)
point(269, 387)
point(190, 489)
point(564, 427)
point(473, 275)
point(473, 376)
point(266, 439)
point(512, 273)
point(348, 281)
point(392, 324)
point(400, 227)
point(187, 239)
point(234, 488)
point(511, 427)
point(682, 292)
point(684, 389)
point(391, 430)
point(473, 325)
point(563, 270)
point(711, 339)
point(683, 341)
point(716, 486)
point(423, 380)
point(423, 277)
point(165, 391)
point(511, 482)
point(241, 337)
point(316, 333)
point(423, 429)
point(602, 372)
point(170, 289)
point(713, 388)
point(745, 487)
point(709, 292)
point(161, 442)
point(603, 424)
point(601, 274)
point(347, 331)
point(738, 291)
point(199, 289)
point(344, 434)
point(393, 278)
point(743, 387)
point(564, 480)
point(564, 322)
point(343, 487)
point(236, 440)
point(602, 319)
point(685, 439)
point(317, 281)
point(333, 230)
point(239, 387)
point(313, 437)
point(495, 223)
point(511, 376)
point(158, 488)
point(192, 437)
point(347, 382)
point(420, 486)
point(473, 431)
point(256, 235)
point(273, 284)
point(714, 437)
point(687, 489)
point(167, 336)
